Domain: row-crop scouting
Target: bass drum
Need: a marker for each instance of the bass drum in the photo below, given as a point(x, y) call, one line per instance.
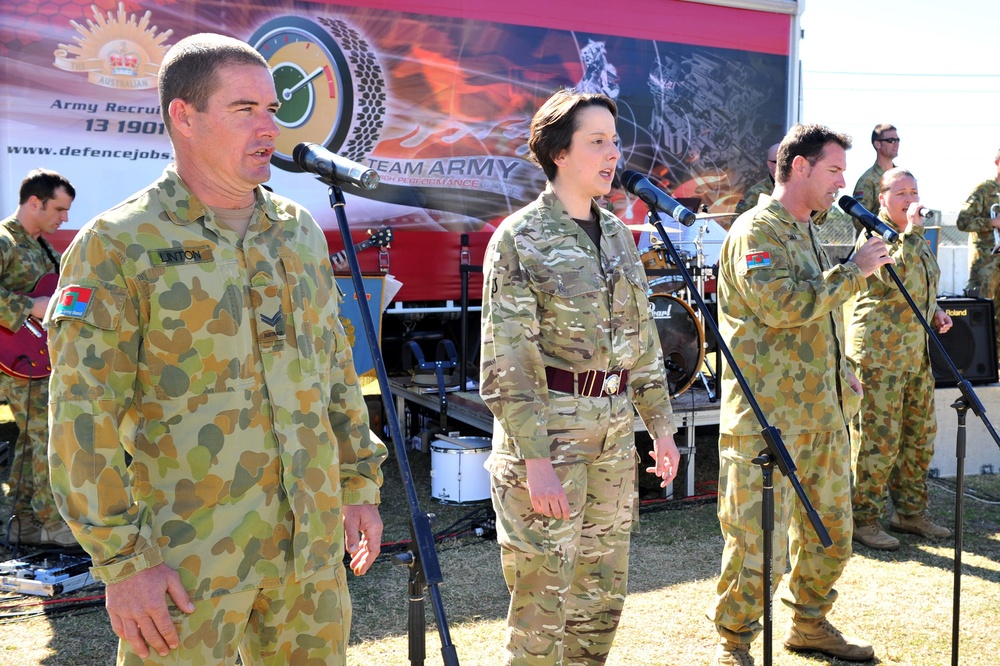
point(682, 340)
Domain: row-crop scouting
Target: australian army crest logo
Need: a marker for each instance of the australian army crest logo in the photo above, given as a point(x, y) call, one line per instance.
point(115, 51)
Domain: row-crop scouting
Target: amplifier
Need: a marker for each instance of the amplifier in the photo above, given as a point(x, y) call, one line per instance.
point(970, 343)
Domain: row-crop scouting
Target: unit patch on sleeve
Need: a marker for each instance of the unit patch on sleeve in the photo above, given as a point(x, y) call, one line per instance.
point(73, 302)
point(758, 260)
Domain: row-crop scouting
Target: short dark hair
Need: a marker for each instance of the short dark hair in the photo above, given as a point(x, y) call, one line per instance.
point(43, 184)
point(189, 70)
point(808, 141)
point(879, 130)
point(553, 125)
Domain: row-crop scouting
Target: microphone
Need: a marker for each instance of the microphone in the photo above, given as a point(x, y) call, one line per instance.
point(851, 206)
point(333, 169)
point(654, 197)
point(926, 213)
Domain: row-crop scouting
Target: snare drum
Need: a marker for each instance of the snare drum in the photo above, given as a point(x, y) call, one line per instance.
point(664, 276)
point(457, 472)
point(682, 340)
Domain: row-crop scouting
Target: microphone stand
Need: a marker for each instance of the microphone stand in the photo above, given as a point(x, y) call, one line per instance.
point(425, 570)
point(775, 452)
point(968, 400)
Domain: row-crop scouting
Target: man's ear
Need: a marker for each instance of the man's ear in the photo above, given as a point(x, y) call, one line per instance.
point(180, 113)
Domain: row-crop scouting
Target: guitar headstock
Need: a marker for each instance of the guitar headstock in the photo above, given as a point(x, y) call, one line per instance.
point(380, 238)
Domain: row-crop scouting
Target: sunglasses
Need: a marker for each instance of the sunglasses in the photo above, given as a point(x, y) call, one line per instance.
point(888, 140)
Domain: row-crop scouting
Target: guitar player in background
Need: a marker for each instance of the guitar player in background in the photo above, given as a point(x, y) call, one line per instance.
point(25, 258)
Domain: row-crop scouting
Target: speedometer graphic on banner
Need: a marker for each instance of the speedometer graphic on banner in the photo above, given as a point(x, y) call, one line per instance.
point(329, 83)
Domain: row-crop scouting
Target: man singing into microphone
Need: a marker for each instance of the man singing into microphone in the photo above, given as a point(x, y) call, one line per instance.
point(892, 438)
point(209, 441)
point(780, 302)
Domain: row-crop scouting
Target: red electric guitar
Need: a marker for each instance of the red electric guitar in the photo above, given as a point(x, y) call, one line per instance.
point(380, 238)
point(24, 353)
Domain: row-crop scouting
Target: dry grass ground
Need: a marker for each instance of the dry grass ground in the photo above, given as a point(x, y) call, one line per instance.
point(901, 602)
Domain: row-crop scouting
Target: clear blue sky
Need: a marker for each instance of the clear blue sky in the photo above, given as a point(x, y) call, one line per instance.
point(930, 68)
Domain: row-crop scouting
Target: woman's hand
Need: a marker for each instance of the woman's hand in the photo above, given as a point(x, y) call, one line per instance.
point(666, 459)
point(545, 489)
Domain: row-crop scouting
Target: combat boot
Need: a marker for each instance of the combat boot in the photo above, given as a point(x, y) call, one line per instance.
point(872, 535)
point(818, 635)
point(24, 530)
point(919, 525)
point(57, 534)
point(732, 654)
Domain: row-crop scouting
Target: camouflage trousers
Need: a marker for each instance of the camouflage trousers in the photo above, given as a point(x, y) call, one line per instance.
point(301, 623)
point(567, 578)
point(823, 462)
point(892, 440)
point(984, 282)
point(29, 471)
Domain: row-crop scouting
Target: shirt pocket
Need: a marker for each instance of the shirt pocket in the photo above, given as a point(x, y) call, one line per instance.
point(570, 311)
point(197, 339)
point(301, 302)
point(630, 313)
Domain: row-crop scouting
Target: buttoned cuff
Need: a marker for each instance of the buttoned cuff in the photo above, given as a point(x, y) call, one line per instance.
point(360, 490)
point(116, 572)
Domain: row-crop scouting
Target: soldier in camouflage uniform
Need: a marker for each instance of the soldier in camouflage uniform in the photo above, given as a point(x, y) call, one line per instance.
point(766, 186)
point(210, 444)
point(780, 313)
point(44, 201)
point(984, 266)
point(752, 196)
point(569, 346)
point(892, 438)
point(885, 141)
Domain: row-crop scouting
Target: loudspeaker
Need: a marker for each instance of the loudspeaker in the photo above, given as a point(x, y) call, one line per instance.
point(970, 343)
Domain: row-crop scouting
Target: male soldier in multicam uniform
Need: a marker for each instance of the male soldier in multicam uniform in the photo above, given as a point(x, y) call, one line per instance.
point(984, 266)
point(196, 332)
point(885, 141)
point(44, 201)
point(892, 438)
point(780, 313)
point(569, 346)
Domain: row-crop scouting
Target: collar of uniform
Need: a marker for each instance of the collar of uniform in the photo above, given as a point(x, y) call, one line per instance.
point(883, 215)
point(184, 208)
point(610, 224)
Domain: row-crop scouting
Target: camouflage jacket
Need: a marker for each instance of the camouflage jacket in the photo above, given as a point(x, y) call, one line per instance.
point(866, 190)
point(975, 218)
point(550, 300)
point(752, 195)
point(780, 313)
point(883, 331)
point(23, 261)
point(220, 366)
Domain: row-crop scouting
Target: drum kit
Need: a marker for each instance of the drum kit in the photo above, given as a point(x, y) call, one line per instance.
point(680, 326)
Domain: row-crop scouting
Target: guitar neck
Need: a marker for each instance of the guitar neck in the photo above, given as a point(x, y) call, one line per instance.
point(341, 257)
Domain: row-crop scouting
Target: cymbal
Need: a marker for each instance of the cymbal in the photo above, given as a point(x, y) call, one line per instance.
point(708, 216)
point(650, 227)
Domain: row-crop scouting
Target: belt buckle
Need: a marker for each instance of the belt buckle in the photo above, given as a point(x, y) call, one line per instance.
point(612, 383)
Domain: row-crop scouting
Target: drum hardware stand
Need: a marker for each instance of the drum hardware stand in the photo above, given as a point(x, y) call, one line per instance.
point(421, 558)
point(968, 400)
point(466, 268)
point(774, 453)
point(446, 360)
point(700, 280)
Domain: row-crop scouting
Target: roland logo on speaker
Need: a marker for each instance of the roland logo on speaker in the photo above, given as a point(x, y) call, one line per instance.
point(958, 313)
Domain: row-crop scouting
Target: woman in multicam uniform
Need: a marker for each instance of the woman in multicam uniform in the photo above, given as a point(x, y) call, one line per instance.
point(569, 347)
